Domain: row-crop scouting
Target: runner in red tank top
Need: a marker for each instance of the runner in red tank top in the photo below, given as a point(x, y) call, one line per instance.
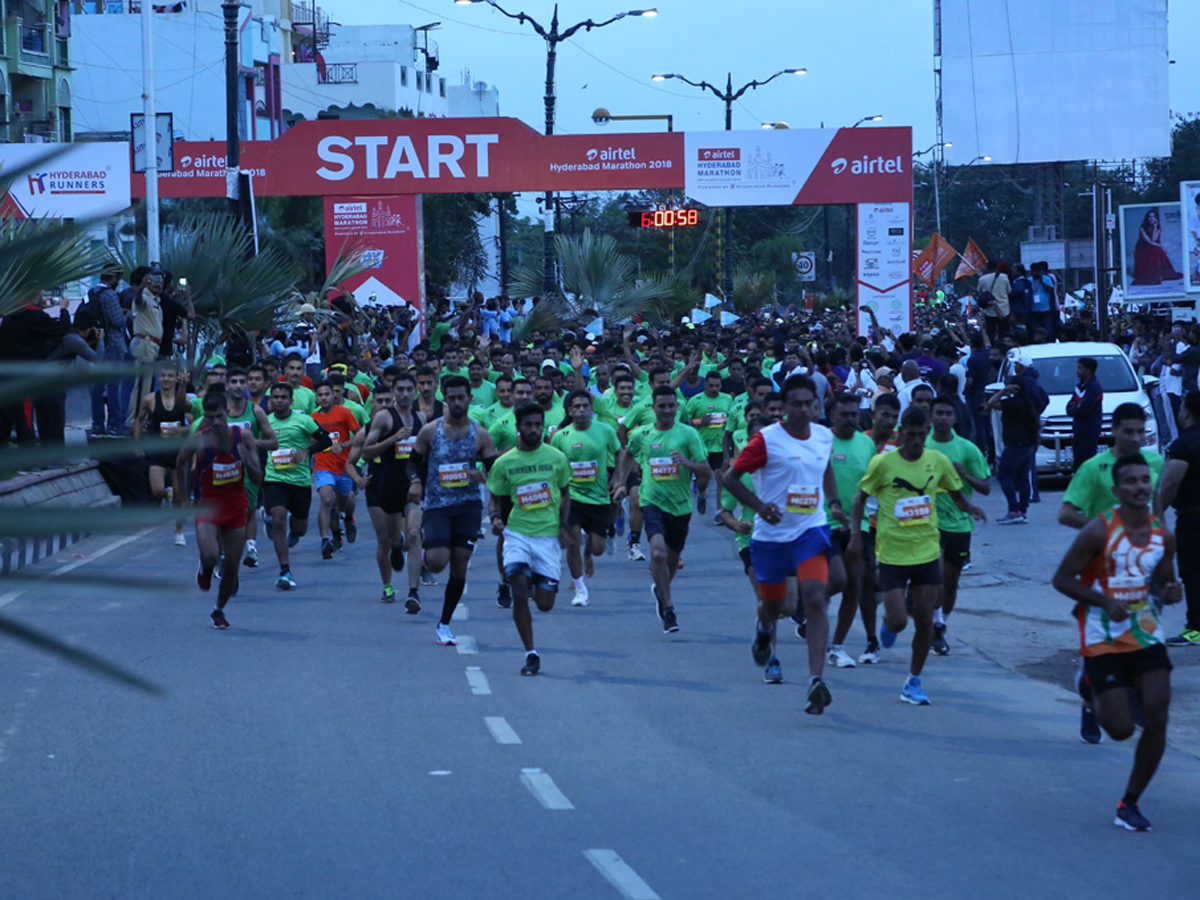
point(218, 457)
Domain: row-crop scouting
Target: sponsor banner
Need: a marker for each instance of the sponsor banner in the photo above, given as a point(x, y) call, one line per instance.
point(77, 181)
point(387, 232)
point(795, 166)
point(1189, 198)
point(200, 170)
point(1152, 250)
point(610, 162)
point(884, 260)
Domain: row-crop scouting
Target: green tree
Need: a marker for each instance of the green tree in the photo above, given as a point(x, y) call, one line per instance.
point(453, 251)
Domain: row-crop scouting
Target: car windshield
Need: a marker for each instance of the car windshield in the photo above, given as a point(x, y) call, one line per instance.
point(1057, 374)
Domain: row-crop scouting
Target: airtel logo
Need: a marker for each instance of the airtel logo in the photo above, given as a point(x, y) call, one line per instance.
point(868, 166)
point(591, 155)
point(612, 153)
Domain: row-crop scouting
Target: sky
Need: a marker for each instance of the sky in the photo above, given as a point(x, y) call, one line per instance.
point(864, 58)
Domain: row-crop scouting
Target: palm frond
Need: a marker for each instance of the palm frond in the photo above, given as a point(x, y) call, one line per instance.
point(37, 254)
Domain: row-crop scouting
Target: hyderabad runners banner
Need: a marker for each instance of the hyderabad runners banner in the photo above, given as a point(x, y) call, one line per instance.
point(65, 181)
point(386, 232)
point(884, 263)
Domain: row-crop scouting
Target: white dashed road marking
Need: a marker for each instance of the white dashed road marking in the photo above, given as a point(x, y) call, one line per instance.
point(620, 875)
point(543, 787)
point(460, 614)
point(478, 681)
point(501, 730)
point(466, 645)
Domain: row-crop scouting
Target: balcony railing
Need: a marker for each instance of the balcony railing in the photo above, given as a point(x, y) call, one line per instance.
point(338, 73)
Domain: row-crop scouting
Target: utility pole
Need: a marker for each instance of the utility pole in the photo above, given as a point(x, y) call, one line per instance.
point(232, 132)
point(153, 246)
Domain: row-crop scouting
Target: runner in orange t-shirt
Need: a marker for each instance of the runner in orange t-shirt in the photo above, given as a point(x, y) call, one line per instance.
point(330, 476)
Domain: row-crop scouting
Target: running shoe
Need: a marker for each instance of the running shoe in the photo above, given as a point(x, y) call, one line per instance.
point(717, 519)
point(250, 561)
point(1189, 637)
point(887, 638)
point(503, 596)
point(801, 626)
point(293, 539)
point(427, 578)
point(1012, 518)
point(818, 698)
point(870, 656)
point(670, 624)
point(1130, 817)
point(939, 645)
point(658, 607)
point(351, 529)
point(180, 540)
point(533, 664)
point(397, 556)
point(773, 673)
point(839, 657)
point(285, 581)
point(912, 692)
point(327, 550)
point(203, 578)
point(636, 554)
point(702, 504)
point(445, 636)
point(760, 648)
point(580, 598)
point(337, 541)
point(412, 605)
point(389, 594)
point(1089, 728)
point(218, 619)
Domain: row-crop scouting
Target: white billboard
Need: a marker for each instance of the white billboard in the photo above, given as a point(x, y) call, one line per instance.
point(1189, 198)
point(1029, 81)
point(1151, 250)
point(884, 264)
point(76, 181)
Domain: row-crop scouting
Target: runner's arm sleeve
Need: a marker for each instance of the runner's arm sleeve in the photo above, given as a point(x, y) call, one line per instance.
point(753, 456)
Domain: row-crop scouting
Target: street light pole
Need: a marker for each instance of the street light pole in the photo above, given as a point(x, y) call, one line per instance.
point(553, 37)
point(728, 97)
point(150, 115)
point(232, 137)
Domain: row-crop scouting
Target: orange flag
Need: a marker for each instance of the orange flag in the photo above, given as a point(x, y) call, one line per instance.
point(973, 261)
point(935, 257)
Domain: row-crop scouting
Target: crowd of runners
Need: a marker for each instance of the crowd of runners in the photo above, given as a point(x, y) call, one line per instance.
point(841, 468)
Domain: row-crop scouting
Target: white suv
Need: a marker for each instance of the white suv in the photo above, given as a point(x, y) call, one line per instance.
point(1055, 365)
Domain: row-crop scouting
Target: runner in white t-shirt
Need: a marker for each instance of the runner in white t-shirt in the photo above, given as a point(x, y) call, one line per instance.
point(792, 476)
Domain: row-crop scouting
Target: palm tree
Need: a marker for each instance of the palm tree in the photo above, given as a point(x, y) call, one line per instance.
point(597, 281)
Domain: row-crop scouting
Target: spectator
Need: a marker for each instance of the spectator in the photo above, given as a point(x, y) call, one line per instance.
point(1086, 409)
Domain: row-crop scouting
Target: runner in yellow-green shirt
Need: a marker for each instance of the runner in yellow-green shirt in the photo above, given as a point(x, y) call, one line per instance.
point(708, 413)
point(907, 542)
point(592, 449)
point(530, 503)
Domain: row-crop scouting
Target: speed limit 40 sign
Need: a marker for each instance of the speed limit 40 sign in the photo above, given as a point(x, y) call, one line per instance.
point(806, 264)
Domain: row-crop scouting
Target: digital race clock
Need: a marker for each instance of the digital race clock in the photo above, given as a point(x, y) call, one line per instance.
point(665, 218)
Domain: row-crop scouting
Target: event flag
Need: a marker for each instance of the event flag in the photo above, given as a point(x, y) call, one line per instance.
point(936, 256)
point(973, 261)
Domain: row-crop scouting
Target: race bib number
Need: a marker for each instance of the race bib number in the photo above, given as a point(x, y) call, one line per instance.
point(404, 448)
point(803, 499)
point(335, 436)
point(1133, 589)
point(584, 471)
point(283, 459)
point(663, 468)
point(171, 429)
point(454, 475)
point(226, 473)
point(914, 510)
point(533, 496)
point(716, 420)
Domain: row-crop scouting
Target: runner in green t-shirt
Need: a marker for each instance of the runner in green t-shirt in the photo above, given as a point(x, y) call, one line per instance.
point(849, 458)
point(483, 392)
point(1090, 492)
point(240, 411)
point(592, 448)
point(708, 412)
point(530, 504)
point(954, 525)
point(287, 483)
point(666, 450)
point(907, 542)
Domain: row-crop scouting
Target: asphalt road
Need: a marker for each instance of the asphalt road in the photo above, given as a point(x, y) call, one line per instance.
point(326, 747)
